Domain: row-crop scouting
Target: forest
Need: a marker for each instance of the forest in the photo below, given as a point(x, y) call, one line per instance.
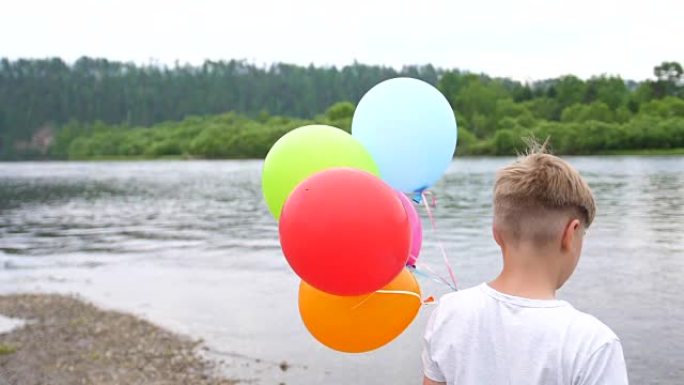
point(100, 109)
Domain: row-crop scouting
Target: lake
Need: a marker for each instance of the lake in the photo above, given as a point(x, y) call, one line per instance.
point(191, 246)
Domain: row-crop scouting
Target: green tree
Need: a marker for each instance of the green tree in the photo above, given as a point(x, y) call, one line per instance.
point(610, 90)
point(476, 100)
point(598, 111)
point(340, 110)
point(544, 108)
point(670, 81)
point(506, 142)
point(569, 90)
point(664, 108)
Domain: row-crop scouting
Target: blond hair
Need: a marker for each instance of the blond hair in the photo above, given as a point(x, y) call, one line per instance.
point(535, 196)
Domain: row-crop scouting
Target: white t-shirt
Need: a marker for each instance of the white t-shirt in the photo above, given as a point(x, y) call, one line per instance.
point(480, 336)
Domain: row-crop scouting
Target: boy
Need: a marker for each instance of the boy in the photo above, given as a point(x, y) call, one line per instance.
point(512, 330)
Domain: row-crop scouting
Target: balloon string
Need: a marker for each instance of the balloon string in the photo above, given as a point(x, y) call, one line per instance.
point(424, 195)
point(406, 292)
point(401, 292)
point(423, 274)
point(435, 276)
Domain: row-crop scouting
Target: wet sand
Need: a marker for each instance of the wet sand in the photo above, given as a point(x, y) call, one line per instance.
point(66, 340)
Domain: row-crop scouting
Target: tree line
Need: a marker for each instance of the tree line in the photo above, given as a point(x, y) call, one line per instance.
point(47, 93)
point(232, 109)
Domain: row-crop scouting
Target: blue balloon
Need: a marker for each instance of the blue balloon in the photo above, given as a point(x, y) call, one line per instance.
point(409, 128)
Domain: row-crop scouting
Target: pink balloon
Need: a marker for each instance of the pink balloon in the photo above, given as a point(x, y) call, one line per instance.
point(416, 228)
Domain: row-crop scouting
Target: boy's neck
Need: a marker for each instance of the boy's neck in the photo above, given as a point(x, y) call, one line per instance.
point(527, 276)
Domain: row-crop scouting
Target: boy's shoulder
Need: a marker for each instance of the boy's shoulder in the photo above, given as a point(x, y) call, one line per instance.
point(482, 301)
point(470, 298)
point(591, 327)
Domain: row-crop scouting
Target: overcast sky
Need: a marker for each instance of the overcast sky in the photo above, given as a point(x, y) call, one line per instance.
point(523, 39)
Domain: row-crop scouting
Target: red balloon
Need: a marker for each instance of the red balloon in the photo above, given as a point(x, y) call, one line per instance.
point(345, 232)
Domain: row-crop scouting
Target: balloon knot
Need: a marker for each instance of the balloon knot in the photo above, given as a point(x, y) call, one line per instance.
point(417, 195)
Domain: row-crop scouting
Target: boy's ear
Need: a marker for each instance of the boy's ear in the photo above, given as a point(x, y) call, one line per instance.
point(569, 233)
point(497, 236)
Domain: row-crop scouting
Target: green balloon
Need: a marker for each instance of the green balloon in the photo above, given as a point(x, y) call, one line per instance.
point(305, 151)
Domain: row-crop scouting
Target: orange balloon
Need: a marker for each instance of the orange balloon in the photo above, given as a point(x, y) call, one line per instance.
point(355, 324)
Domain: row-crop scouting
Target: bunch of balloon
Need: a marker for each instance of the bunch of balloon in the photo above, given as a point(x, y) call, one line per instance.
point(345, 228)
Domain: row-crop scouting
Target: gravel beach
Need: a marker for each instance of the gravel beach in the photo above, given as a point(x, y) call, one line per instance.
point(67, 341)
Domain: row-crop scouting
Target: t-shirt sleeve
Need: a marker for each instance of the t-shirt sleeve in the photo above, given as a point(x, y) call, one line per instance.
point(606, 366)
point(430, 368)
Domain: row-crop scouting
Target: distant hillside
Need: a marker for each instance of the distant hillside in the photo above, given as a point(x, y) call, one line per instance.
point(39, 97)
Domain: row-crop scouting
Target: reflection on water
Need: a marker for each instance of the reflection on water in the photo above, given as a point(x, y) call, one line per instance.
point(191, 246)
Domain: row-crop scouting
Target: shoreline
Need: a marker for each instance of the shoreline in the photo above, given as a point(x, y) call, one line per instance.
point(657, 152)
point(68, 340)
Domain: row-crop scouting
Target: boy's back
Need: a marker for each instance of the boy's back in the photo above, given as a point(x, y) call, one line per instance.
point(481, 336)
point(542, 209)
